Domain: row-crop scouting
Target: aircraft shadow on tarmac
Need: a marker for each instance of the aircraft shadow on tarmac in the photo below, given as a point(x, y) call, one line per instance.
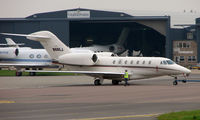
point(131, 84)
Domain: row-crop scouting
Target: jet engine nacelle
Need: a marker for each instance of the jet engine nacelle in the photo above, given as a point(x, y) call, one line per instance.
point(78, 59)
point(9, 52)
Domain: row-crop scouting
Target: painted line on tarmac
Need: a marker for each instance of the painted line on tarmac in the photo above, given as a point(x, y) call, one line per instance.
point(6, 101)
point(120, 117)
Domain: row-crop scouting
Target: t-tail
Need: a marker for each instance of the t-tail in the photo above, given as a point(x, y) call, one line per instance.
point(123, 36)
point(49, 41)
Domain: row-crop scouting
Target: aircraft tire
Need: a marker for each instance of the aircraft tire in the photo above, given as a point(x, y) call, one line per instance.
point(184, 81)
point(97, 82)
point(115, 82)
point(18, 73)
point(32, 73)
point(175, 83)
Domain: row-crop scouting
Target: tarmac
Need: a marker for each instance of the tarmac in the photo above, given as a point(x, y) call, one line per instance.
point(76, 98)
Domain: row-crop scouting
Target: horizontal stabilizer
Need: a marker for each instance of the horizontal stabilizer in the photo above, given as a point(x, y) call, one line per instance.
point(29, 36)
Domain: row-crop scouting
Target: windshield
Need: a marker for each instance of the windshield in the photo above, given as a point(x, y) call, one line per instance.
point(170, 62)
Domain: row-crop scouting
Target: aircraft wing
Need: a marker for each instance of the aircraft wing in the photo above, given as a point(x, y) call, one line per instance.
point(22, 65)
point(89, 73)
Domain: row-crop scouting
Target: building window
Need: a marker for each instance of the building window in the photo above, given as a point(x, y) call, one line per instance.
point(187, 45)
point(177, 45)
point(189, 58)
point(182, 58)
point(189, 36)
point(184, 45)
point(193, 58)
point(180, 45)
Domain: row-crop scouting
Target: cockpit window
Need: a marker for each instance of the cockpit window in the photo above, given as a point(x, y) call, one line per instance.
point(170, 62)
point(164, 62)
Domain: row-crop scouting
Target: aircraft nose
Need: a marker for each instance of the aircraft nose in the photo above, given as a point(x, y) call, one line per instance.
point(185, 70)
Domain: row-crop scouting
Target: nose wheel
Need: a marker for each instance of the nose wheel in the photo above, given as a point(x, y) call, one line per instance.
point(175, 82)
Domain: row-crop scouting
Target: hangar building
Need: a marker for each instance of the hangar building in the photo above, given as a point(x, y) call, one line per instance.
point(75, 27)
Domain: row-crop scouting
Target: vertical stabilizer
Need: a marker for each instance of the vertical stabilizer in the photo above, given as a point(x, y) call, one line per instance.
point(51, 43)
point(10, 42)
point(123, 36)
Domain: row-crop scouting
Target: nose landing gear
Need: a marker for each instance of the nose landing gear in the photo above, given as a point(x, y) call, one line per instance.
point(175, 82)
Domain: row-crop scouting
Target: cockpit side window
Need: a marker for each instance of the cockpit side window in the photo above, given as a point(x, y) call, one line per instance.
point(161, 62)
point(165, 62)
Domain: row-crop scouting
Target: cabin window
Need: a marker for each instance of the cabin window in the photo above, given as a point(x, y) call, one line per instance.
point(120, 61)
point(45, 56)
point(161, 62)
point(125, 62)
point(143, 62)
point(149, 62)
point(114, 61)
point(31, 56)
point(138, 62)
point(38, 56)
point(131, 61)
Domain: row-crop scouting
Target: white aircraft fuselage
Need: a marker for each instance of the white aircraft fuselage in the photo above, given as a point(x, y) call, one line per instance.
point(25, 57)
point(105, 66)
point(137, 67)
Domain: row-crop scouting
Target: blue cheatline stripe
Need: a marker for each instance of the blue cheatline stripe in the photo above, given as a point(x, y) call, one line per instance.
point(24, 60)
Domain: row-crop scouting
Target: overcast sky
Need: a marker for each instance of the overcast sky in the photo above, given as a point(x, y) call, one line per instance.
point(24, 8)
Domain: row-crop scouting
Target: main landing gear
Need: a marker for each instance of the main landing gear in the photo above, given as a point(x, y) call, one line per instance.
point(98, 82)
point(115, 82)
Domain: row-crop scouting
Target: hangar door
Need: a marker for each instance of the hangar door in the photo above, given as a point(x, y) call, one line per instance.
point(144, 38)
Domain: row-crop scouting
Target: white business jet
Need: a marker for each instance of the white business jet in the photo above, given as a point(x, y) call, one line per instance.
point(105, 67)
point(23, 57)
point(117, 48)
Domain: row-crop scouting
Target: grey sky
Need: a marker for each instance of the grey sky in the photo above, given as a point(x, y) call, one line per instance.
point(23, 8)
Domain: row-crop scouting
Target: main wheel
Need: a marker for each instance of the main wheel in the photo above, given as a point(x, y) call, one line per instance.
point(115, 82)
point(184, 81)
point(32, 73)
point(175, 83)
point(97, 82)
point(18, 73)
